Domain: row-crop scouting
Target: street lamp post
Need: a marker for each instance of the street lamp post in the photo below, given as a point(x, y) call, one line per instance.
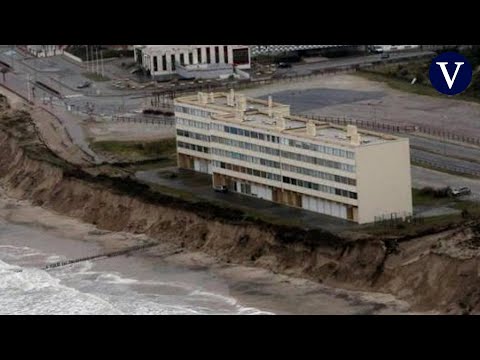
point(12, 55)
point(444, 117)
point(28, 88)
point(88, 68)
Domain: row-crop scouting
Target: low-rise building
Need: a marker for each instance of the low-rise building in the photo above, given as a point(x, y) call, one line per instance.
point(257, 148)
point(45, 50)
point(192, 61)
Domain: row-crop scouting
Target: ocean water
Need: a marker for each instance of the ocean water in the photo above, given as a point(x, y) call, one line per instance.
point(144, 284)
point(80, 289)
point(143, 287)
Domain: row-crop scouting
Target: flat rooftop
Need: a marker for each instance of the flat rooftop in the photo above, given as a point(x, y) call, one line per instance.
point(175, 48)
point(276, 118)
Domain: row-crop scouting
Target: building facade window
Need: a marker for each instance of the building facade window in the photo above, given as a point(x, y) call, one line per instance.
point(208, 55)
point(193, 135)
point(164, 62)
point(197, 148)
point(285, 179)
point(241, 56)
point(199, 55)
point(155, 64)
point(225, 54)
point(284, 141)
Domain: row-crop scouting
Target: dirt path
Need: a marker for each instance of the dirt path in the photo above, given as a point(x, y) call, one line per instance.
point(51, 130)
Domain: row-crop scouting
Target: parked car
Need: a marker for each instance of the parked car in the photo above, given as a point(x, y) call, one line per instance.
point(84, 85)
point(284, 65)
point(460, 191)
point(220, 188)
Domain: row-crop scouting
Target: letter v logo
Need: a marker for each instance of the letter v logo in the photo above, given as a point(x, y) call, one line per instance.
point(446, 75)
point(450, 73)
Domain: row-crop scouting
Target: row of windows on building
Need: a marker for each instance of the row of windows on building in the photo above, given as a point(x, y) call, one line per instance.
point(284, 141)
point(272, 138)
point(193, 123)
point(285, 179)
point(321, 188)
point(319, 174)
point(245, 145)
point(193, 135)
point(246, 158)
point(200, 58)
point(246, 170)
point(193, 147)
point(248, 133)
point(317, 161)
point(286, 154)
point(191, 111)
point(285, 167)
point(321, 148)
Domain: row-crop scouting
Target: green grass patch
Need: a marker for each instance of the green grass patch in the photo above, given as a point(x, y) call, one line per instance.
point(430, 197)
point(137, 150)
point(96, 77)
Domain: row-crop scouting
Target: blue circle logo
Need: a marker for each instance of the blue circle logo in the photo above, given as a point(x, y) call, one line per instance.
point(450, 73)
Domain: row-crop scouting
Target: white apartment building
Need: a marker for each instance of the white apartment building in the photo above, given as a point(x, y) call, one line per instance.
point(45, 50)
point(255, 147)
point(201, 61)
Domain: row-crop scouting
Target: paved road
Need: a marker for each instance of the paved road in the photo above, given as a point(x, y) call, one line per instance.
point(445, 148)
point(444, 162)
point(305, 69)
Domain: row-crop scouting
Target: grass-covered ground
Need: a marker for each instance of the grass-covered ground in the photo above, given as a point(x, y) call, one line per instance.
point(136, 151)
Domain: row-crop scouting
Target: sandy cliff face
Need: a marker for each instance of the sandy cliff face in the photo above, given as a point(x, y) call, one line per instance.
point(437, 272)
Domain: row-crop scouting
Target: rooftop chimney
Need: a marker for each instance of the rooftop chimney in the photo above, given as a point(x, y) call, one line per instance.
point(231, 98)
point(270, 106)
point(204, 98)
point(239, 115)
point(356, 139)
point(241, 102)
point(311, 129)
point(281, 122)
point(351, 130)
